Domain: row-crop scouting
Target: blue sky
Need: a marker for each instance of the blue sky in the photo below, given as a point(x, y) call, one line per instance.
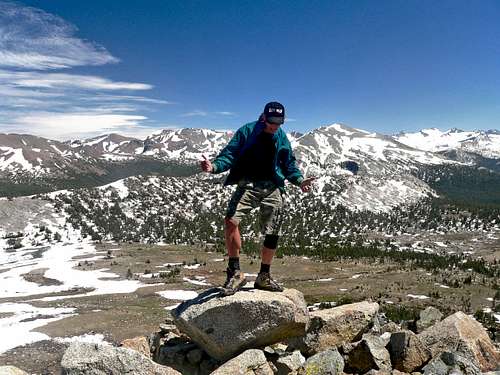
point(81, 68)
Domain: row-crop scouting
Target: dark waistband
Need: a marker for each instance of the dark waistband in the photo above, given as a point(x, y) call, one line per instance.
point(270, 185)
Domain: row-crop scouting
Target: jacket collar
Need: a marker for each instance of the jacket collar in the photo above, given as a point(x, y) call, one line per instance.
point(260, 128)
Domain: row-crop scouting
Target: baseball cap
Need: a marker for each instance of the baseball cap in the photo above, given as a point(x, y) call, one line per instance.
point(275, 113)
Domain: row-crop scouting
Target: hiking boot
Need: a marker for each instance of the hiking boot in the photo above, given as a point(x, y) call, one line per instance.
point(235, 281)
point(265, 282)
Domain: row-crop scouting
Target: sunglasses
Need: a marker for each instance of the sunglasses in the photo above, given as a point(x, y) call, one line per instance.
point(275, 120)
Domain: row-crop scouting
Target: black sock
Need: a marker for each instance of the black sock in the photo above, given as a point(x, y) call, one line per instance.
point(265, 268)
point(234, 263)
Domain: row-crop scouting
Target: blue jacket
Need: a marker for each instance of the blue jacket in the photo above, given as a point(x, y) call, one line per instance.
point(285, 166)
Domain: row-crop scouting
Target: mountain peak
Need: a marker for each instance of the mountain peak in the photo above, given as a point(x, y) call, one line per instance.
point(342, 129)
point(430, 132)
point(484, 143)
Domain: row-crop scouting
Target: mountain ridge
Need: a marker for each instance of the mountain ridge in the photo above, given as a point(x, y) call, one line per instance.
point(358, 164)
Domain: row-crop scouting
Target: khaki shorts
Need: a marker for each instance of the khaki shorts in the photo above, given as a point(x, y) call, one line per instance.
point(265, 195)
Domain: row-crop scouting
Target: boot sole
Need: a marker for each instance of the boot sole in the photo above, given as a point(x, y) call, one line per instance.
point(229, 292)
point(267, 289)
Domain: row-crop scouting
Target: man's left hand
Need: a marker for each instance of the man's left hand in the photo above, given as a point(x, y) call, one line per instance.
point(306, 185)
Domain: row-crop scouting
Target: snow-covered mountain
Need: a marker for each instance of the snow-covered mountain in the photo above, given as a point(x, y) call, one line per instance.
point(326, 148)
point(109, 147)
point(366, 170)
point(28, 155)
point(483, 142)
point(37, 156)
point(322, 147)
point(187, 144)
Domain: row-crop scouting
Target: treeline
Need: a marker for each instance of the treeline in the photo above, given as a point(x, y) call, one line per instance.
point(465, 186)
point(95, 173)
point(179, 210)
point(377, 252)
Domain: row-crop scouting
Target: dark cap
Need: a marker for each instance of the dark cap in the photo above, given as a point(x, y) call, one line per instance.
point(275, 113)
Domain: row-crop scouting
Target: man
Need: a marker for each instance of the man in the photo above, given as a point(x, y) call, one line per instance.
point(260, 158)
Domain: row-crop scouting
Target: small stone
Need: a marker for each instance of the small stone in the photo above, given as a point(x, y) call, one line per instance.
point(166, 328)
point(139, 344)
point(270, 352)
point(327, 362)
point(408, 353)
point(451, 363)
point(275, 351)
point(174, 340)
point(376, 325)
point(390, 327)
point(369, 353)
point(252, 361)
point(279, 348)
point(289, 363)
point(427, 318)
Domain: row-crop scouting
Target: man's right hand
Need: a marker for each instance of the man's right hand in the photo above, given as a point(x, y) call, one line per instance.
point(206, 165)
point(306, 185)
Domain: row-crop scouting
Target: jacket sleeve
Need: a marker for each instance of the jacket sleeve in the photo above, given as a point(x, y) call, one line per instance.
point(229, 154)
point(289, 165)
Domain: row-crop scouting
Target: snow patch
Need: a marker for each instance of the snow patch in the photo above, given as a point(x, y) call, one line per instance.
point(179, 295)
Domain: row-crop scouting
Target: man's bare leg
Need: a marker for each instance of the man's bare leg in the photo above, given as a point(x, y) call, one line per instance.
point(266, 255)
point(233, 238)
point(235, 278)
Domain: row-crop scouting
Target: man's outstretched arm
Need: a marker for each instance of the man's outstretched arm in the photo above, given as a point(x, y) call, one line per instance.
point(226, 157)
point(206, 165)
point(306, 184)
point(293, 173)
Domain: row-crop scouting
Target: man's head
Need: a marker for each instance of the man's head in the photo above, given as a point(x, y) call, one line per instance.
point(274, 116)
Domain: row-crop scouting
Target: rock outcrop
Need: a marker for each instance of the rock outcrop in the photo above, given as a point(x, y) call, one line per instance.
point(408, 353)
point(96, 359)
point(327, 362)
point(451, 363)
point(226, 326)
point(335, 326)
point(428, 318)
point(463, 334)
point(289, 362)
point(369, 353)
point(250, 362)
point(139, 344)
point(217, 335)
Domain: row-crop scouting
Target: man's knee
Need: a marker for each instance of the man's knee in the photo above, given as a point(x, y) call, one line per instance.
point(271, 241)
point(230, 224)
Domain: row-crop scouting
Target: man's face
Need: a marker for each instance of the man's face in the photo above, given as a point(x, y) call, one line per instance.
point(271, 128)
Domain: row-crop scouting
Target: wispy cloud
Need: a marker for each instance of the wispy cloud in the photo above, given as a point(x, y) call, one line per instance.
point(195, 113)
point(200, 113)
point(36, 99)
point(33, 39)
point(225, 113)
point(134, 98)
point(52, 122)
point(59, 80)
